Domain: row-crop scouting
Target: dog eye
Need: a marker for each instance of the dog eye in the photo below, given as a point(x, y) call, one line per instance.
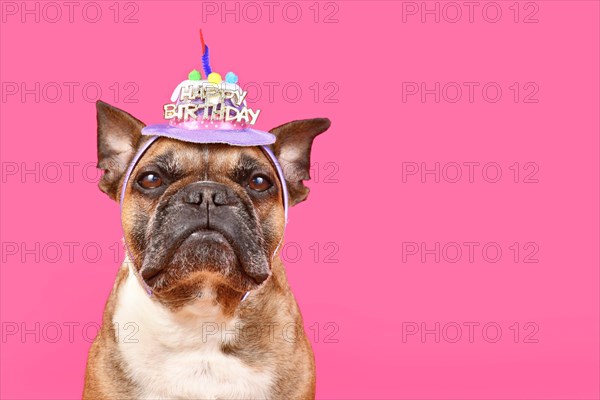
point(150, 180)
point(260, 183)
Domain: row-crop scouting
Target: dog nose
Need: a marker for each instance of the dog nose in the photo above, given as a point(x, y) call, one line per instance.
point(208, 194)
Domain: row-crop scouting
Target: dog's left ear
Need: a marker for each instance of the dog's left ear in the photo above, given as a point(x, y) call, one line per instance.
point(292, 149)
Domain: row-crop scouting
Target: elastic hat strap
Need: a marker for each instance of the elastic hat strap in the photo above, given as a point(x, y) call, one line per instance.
point(132, 165)
point(137, 158)
point(281, 177)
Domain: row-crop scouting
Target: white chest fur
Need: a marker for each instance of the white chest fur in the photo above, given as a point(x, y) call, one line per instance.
point(178, 355)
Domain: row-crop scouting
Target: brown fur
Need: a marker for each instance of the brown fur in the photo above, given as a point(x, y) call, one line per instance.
point(272, 308)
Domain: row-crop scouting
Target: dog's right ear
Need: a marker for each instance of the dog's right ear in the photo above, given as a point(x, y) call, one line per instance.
point(119, 134)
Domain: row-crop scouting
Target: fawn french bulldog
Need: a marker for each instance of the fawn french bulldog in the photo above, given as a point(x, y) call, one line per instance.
point(201, 308)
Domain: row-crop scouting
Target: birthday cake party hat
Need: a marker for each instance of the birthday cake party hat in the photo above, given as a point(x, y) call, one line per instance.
point(210, 110)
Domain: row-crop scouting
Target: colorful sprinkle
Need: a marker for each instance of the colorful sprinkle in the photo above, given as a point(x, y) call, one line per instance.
point(194, 75)
point(231, 78)
point(214, 77)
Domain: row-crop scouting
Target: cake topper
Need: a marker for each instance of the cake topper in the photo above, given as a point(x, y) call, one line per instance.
point(210, 110)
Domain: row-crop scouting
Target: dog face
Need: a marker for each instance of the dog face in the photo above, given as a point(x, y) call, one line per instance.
point(199, 215)
point(203, 208)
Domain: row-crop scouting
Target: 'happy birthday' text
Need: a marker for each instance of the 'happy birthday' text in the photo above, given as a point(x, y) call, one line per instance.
point(214, 106)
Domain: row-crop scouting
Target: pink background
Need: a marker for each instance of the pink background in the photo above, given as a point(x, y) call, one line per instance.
point(361, 204)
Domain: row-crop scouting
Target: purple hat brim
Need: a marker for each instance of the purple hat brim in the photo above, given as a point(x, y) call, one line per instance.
point(238, 137)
